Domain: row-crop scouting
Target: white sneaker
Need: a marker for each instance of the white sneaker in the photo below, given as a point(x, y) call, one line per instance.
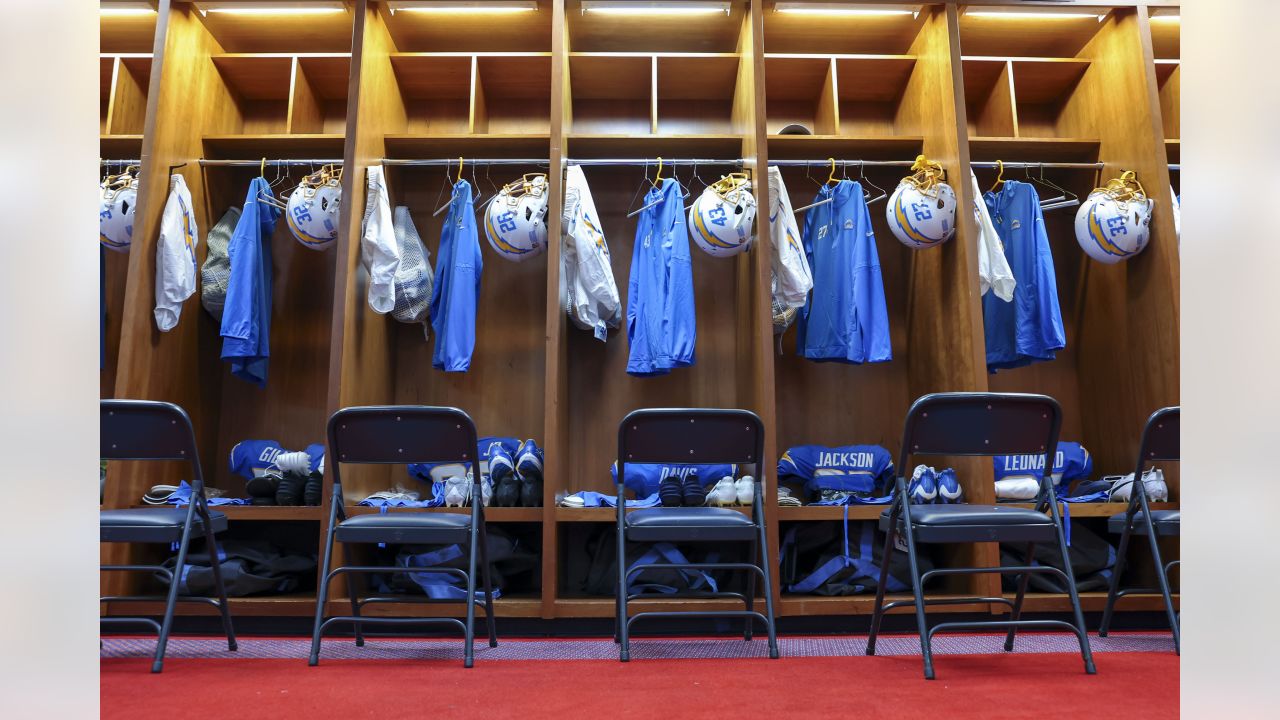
point(746, 487)
point(486, 490)
point(457, 490)
point(723, 493)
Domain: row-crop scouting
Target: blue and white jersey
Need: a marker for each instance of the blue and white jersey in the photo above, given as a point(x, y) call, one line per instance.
point(457, 290)
point(845, 319)
point(246, 316)
point(661, 325)
point(439, 471)
point(1028, 329)
point(848, 468)
point(253, 458)
point(643, 478)
point(1071, 462)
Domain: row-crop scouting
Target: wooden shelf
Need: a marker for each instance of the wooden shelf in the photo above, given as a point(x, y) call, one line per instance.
point(1030, 36)
point(316, 145)
point(262, 512)
point(413, 147)
point(302, 603)
point(873, 78)
point(806, 147)
point(608, 514)
point(697, 76)
point(120, 146)
point(491, 514)
point(708, 146)
point(433, 75)
point(861, 604)
point(1033, 149)
point(256, 76)
point(1173, 149)
point(1036, 79)
point(789, 33)
point(507, 606)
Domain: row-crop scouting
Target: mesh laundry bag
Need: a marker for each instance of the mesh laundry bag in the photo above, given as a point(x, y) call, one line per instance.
point(414, 277)
point(216, 270)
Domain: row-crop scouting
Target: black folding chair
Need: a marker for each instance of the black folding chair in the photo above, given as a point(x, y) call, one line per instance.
point(978, 424)
point(693, 436)
point(401, 435)
point(1160, 441)
point(147, 430)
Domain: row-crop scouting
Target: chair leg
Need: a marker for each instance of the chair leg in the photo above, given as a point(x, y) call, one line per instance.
point(1163, 577)
point(212, 542)
point(751, 591)
point(1083, 632)
point(926, 650)
point(489, 619)
point(171, 602)
point(1114, 587)
point(767, 570)
point(469, 632)
point(1023, 580)
point(624, 640)
point(355, 583)
point(878, 613)
point(322, 594)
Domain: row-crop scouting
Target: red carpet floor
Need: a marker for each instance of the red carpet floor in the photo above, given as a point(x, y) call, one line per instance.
point(1129, 685)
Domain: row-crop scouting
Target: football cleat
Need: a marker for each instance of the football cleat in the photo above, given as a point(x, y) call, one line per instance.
point(311, 490)
point(263, 486)
point(669, 492)
point(530, 490)
point(723, 493)
point(506, 492)
point(949, 490)
point(289, 489)
point(746, 486)
point(500, 463)
point(923, 488)
point(529, 459)
point(694, 493)
point(457, 491)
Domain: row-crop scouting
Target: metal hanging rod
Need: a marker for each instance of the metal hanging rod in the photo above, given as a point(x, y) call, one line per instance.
point(447, 162)
point(104, 163)
point(1038, 165)
point(843, 163)
point(1175, 166)
point(270, 163)
point(654, 161)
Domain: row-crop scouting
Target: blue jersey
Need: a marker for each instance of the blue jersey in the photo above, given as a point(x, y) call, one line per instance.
point(437, 471)
point(845, 319)
point(1028, 329)
point(253, 458)
point(661, 327)
point(246, 317)
point(848, 468)
point(643, 478)
point(457, 290)
point(1071, 462)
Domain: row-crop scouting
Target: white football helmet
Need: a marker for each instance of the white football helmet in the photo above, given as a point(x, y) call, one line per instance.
point(721, 220)
point(1114, 223)
point(516, 219)
point(922, 209)
point(312, 209)
point(119, 196)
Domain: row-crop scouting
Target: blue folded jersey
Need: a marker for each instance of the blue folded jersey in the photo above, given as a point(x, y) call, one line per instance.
point(430, 471)
point(853, 468)
point(592, 499)
point(252, 458)
point(1071, 462)
point(643, 478)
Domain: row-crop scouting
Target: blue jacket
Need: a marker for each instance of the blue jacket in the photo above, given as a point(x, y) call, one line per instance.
point(457, 289)
point(845, 319)
point(1028, 329)
point(246, 317)
point(661, 327)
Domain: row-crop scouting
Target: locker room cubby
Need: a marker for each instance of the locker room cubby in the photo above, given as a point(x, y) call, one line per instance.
point(557, 83)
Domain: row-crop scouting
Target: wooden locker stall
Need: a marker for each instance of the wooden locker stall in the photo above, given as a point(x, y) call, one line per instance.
point(1046, 90)
point(235, 90)
point(378, 83)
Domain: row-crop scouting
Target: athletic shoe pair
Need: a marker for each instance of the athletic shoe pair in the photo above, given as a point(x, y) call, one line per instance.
point(932, 486)
point(457, 491)
point(733, 492)
point(516, 482)
point(674, 492)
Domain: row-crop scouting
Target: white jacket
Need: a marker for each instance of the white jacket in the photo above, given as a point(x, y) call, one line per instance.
point(588, 292)
point(792, 277)
point(176, 263)
point(993, 266)
point(379, 252)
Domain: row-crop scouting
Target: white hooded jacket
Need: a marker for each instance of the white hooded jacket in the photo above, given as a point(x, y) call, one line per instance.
point(379, 252)
point(176, 262)
point(993, 267)
point(792, 277)
point(588, 292)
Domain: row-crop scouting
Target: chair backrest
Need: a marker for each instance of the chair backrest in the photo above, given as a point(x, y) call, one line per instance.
point(401, 434)
point(690, 436)
point(1161, 438)
point(145, 430)
point(981, 424)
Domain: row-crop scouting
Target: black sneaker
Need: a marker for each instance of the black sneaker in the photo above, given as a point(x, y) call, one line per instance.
point(694, 494)
point(289, 489)
point(531, 490)
point(669, 492)
point(263, 486)
point(311, 489)
point(507, 492)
